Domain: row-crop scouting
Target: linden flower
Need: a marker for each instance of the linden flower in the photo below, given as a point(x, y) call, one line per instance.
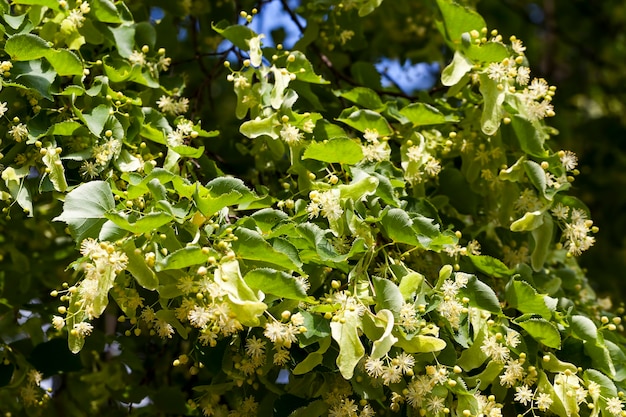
point(544, 401)
point(374, 367)
point(614, 406)
point(137, 58)
point(255, 347)
point(291, 134)
point(58, 322)
point(523, 395)
point(82, 329)
point(199, 316)
point(3, 108)
point(19, 132)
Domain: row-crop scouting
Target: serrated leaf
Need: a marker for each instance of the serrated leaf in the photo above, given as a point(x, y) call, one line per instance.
point(422, 114)
point(277, 283)
point(85, 207)
point(522, 296)
point(490, 266)
point(530, 139)
point(26, 47)
point(65, 62)
point(481, 295)
point(541, 330)
point(365, 119)
point(584, 328)
point(337, 150)
point(459, 19)
point(185, 257)
point(143, 224)
point(537, 176)
point(364, 97)
point(387, 295)
point(239, 35)
point(302, 68)
point(251, 245)
point(105, 11)
point(313, 359)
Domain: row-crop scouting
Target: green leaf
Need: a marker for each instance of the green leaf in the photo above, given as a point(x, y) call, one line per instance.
point(124, 36)
point(143, 224)
point(105, 11)
point(97, 119)
point(337, 150)
point(26, 47)
point(530, 139)
point(364, 97)
point(365, 119)
point(607, 387)
point(237, 34)
point(458, 20)
point(85, 207)
point(313, 359)
point(537, 176)
point(456, 70)
point(368, 6)
point(490, 266)
point(387, 295)
point(481, 295)
point(522, 296)
point(422, 114)
point(138, 268)
point(65, 128)
point(251, 245)
point(351, 349)
point(302, 68)
point(541, 330)
point(277, 283)
point(65, 62)
point(473, 357)
point(584, 328)
point(185, 257)
point(488, 52)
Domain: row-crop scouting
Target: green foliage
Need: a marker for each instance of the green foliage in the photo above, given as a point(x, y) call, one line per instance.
point(329, 247)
